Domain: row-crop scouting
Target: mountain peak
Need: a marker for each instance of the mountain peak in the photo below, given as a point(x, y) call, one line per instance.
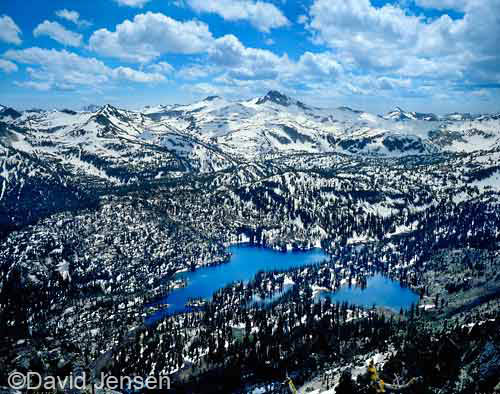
point(211, 98)
point(349, 109)
point(276, 97)
point(7, 111)
point(68, 111)
point(399, 114)
point(107, 107)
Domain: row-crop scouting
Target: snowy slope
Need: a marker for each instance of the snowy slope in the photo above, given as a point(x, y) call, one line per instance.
point(110, 144)
point(399, 114)
point(117, 146)
point(62, 159)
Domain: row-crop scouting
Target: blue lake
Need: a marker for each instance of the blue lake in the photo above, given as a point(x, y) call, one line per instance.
point(244, 263)
point(380, 291)
point(247, 260)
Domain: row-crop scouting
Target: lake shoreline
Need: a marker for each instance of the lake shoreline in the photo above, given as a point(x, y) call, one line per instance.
point(247, 260)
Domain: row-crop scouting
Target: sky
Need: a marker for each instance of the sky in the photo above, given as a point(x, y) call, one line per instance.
point(425, 55)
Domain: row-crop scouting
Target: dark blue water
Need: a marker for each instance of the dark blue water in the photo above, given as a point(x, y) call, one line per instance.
point(247, 260)
point(380, 291)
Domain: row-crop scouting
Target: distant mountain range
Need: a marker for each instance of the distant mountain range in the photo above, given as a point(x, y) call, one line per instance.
point(57, 150)
point(117, 145)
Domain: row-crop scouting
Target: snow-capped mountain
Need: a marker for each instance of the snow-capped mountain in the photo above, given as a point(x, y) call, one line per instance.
point(112, 146)
point(276, 97)
point(275, 124)
point(8, 114)
point(110, 143)
point(226, 130)
point(398, 115)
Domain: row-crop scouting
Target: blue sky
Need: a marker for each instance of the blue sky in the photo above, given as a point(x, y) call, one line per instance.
point(425, 55)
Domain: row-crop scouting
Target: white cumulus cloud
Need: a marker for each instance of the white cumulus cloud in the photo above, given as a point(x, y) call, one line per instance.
point(58, 33)
point(54, 69)
point(245, 63)
point(7, 66)
point(130, 74)
point(391, 41)
point(262, 15)
point(133, 3)
point(72, 16)
point(41, 86)
point(319, 64)
point(240, 63)
point(161, 68)
point(149, 35)
point(9, 31)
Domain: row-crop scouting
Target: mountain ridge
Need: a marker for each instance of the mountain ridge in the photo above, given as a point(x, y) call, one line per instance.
point(113, 146)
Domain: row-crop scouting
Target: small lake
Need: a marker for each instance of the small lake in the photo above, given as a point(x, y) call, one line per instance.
point(244, 263)
point(380, 291)
point(247, 260)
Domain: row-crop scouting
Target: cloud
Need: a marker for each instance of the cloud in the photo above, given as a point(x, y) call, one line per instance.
point(9, 31)
point(229, 55)
point(150, 35)
point(133, 3)
point(302, 19)
point(58, 33)
point(319, 64)
point(40, 86)
point(375, 84)
point(53, 59)
point(53, 69)
point(356, 23)
point(72, 16)
point(220, 89)
point(136, 76)
point(458, 5)
point(317, 75)
point(245, 63)
point(389, 41)
point(7, 66)
point(481, 93)
point(445, 67)
point(195, 71)
point(262, 15)
point(161, 68)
